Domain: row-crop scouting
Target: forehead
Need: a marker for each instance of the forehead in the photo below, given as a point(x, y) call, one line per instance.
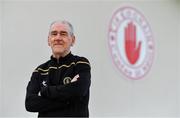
point(59, 27)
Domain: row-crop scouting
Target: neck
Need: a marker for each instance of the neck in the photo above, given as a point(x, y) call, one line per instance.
point(58, 55)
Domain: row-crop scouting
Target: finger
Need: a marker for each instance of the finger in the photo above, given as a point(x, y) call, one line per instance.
point(133, 36)
point(133, 40)
point(128, 31)
point(139, 46)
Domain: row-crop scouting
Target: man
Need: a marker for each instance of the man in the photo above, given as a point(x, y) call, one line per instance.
point(60, 87)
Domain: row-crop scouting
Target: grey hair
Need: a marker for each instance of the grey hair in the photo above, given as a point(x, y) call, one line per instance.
point(71, 29)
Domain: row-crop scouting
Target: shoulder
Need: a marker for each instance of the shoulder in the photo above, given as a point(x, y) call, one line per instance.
point(81, 63)
point(81, 60)
point(42, 67)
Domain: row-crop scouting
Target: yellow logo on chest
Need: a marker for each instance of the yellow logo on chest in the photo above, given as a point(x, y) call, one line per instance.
point(67, 80)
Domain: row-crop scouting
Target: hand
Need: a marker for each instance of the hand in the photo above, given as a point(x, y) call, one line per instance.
point(75, 78)
point(132, 50)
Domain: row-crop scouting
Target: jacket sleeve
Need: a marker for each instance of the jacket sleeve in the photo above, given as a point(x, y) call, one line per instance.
point(36, 103)
point(78, 88)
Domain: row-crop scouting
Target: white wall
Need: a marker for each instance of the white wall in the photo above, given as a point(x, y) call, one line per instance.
point(179, 58)
point(24, 46)
point(0, 55)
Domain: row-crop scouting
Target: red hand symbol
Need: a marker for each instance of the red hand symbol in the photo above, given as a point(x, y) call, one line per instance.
point(132, 51)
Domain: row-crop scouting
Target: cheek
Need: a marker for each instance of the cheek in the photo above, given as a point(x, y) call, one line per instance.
point(68, 44)
point(50, 42)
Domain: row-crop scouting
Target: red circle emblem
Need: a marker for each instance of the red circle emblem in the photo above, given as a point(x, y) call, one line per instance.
point(131, 42)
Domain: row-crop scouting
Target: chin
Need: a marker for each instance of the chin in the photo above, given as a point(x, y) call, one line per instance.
point(58, 52)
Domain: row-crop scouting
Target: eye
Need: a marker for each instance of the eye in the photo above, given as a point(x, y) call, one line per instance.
point(64, 34)
point(54, 33)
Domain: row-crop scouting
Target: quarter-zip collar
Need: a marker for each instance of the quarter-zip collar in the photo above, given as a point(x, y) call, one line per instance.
point(61, 59)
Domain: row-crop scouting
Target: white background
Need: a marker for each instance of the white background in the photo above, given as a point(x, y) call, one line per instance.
point(23, 46)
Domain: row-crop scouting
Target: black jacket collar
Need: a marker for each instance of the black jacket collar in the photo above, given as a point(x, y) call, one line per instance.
point(62, 59)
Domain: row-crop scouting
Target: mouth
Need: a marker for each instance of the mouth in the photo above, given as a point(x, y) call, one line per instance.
point(58, 44)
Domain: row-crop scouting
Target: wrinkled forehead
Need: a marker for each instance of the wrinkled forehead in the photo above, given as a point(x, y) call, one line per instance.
point(59, 27)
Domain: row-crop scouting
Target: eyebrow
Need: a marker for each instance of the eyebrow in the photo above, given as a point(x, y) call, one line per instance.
point(59, 32)
point(63, 31)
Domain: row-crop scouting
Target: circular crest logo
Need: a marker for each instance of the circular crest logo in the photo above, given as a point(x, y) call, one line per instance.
point(67, 80)
point(131, 42)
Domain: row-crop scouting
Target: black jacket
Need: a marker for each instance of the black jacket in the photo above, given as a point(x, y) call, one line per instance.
point(59, 96)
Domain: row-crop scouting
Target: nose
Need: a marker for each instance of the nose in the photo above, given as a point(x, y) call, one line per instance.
point(58, 37)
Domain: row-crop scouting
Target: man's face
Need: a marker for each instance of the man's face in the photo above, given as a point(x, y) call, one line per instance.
point(59, 39)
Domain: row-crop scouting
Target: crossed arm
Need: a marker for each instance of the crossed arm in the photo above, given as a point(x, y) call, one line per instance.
point(56, 96)
point(36, 103)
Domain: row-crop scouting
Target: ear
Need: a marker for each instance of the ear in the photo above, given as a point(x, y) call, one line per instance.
point(48, 41)
point(73, 40)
